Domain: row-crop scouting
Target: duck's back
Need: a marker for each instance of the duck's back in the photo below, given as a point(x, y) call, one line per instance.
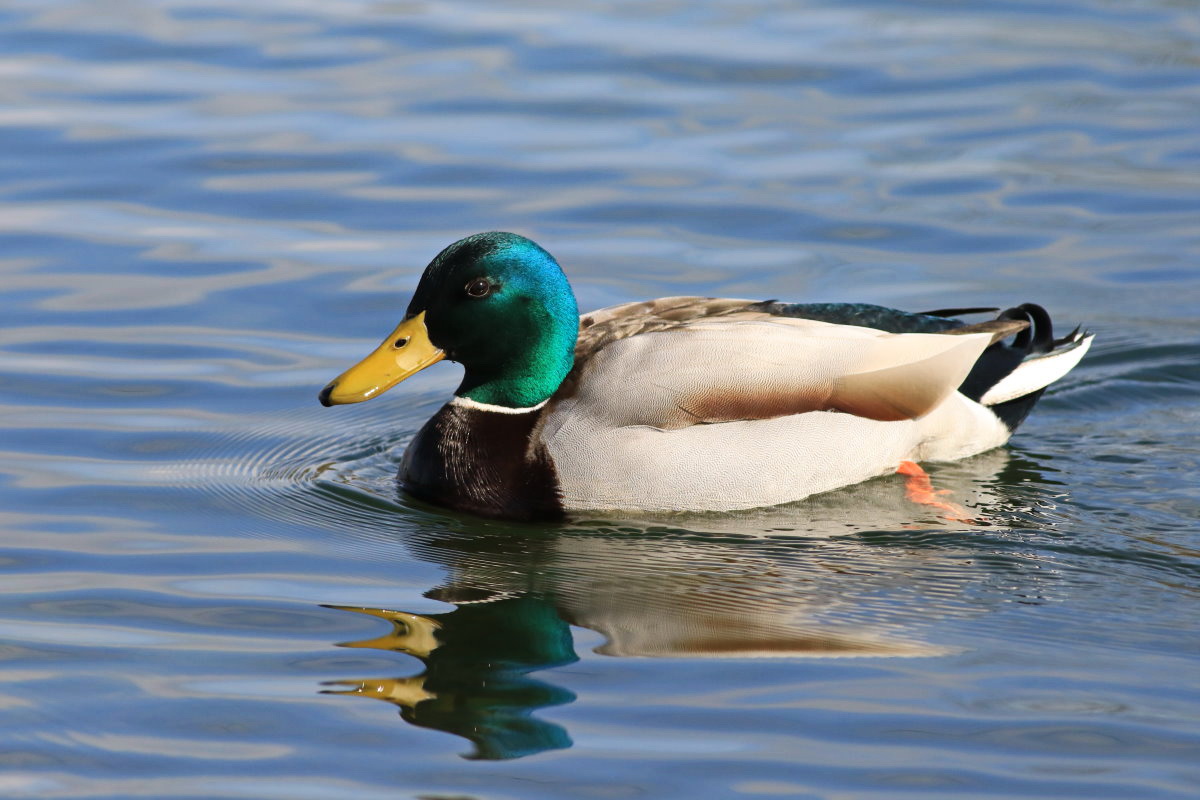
point(699, 404)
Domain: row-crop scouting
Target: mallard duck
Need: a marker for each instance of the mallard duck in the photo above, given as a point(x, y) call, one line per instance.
point(687, 403)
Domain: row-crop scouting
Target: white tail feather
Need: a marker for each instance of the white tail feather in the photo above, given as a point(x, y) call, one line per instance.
point(1037, 373)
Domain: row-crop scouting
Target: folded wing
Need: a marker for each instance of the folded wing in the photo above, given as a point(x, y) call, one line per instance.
point(746, 367)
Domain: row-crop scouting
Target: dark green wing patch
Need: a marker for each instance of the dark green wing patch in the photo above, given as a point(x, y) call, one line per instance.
point(864, 315)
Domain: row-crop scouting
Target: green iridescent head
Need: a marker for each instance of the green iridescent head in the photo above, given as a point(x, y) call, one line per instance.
point(495, 302)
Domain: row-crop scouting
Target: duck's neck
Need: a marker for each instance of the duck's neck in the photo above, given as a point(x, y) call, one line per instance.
point(475, 459)
point(509, 394)
point(524, 379)
point(475, 405)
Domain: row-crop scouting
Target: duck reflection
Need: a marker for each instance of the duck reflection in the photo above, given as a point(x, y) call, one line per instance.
point(785, 583)
point(475, 682)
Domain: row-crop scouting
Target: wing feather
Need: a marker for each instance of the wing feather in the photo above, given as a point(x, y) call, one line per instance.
point(748, 366)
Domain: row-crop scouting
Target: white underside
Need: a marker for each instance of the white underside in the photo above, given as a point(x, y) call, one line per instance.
point(738, 465)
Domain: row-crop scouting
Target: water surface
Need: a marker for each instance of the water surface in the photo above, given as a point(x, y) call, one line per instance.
point(208, 209)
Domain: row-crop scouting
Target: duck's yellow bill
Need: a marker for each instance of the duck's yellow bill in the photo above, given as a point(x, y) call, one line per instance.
point(405, 352)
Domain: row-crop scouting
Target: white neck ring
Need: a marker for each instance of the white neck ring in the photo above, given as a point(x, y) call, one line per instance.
point(466, 402)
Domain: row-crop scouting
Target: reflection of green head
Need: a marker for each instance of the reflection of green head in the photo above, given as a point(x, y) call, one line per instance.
point(514, 634)
point(495, 712)
point(500, 305)
point(475, 685)
point(478, 677)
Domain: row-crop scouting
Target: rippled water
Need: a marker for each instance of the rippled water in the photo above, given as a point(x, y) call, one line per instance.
point(208, 209)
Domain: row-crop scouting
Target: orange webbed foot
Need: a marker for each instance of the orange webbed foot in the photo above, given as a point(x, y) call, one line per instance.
point(919, 489)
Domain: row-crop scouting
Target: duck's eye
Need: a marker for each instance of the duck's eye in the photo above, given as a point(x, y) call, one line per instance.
point(479, 287)
point(403, 340)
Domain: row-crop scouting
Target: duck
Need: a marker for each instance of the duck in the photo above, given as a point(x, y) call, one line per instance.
point(687, 404)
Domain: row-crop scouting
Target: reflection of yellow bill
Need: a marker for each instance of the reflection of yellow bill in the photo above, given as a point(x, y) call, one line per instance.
point(404, 692)
point(404, 353)
point(411, 633)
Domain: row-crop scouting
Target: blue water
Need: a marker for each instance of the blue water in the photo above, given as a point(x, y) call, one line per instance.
point(208, 209)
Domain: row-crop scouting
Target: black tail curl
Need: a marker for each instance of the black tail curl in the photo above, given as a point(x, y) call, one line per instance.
point(1000, 359)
